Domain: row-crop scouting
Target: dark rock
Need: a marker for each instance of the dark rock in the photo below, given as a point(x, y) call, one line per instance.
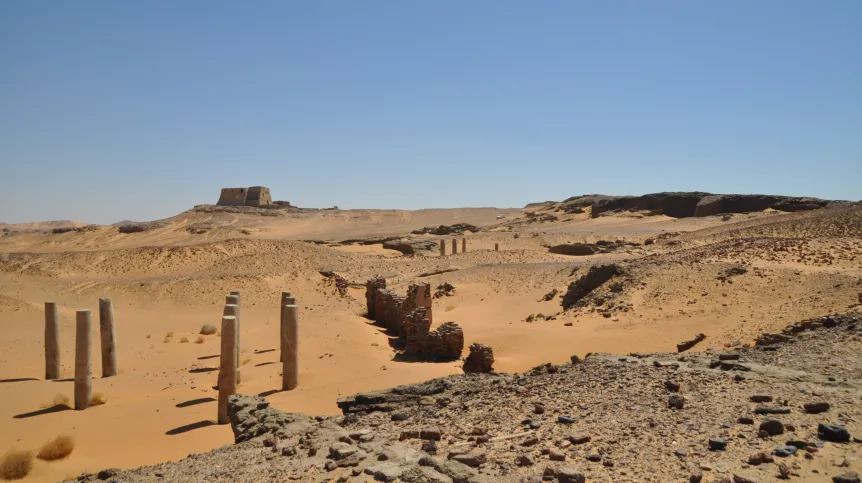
point(568, 474)
point(473, 459)
point(771, 410)
point(761, 398)
point(579, 438)
point(816, 407)
point(785, 451)
point(575, 249)
point(850, 477)
point(671, 386)
point(759, 458)
point(676, 401)
point(717, 444)
point(686, 345)
point(833, 432)
point(745, 420)
point(729, 356)
point(524, 460)
point(772, 427)
point(565, 419)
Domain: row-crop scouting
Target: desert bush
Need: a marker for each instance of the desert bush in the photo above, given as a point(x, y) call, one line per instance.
point(57, 449)
point(200, 340)
point(98, 399)
point(59, 400)
point(16, 465)
point(208, 329)
point(184, 339)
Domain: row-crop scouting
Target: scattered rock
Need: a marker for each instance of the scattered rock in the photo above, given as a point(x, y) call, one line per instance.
point(816, 407)
point(833, 432)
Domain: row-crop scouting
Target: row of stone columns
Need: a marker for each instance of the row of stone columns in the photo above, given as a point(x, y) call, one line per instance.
point(83, 348)
point(463, 247)
point(229, 373)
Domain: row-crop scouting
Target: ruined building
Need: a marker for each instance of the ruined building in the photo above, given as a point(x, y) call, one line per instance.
point(254, 196)
point(410, 319)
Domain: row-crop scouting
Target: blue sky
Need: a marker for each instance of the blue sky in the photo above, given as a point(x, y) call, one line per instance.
point(139, 110)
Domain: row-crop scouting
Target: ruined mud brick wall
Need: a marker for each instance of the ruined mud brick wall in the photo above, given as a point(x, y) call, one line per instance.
point(481, 359)
point(446, 343)
point(416, 328)
point(258, 196)
point(371, 294)
point(232, 197)
point(409, 317)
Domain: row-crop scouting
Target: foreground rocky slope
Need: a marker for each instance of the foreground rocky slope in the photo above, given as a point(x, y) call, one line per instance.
point(790, 407)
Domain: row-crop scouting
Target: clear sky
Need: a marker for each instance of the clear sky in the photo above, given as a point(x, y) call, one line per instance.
point(114, 110)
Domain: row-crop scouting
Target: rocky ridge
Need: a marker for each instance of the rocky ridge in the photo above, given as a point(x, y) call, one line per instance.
point(789, 409)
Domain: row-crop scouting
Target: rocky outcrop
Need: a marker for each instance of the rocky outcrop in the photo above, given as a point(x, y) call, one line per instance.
point(481, 359)
point(576, 249)
point(688, 204)
point(595, 277)
point(400, 397)
point(252, 417)
point(456, 229)
point(411, 246)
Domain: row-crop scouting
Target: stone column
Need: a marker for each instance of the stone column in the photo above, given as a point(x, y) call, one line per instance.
point(290, 347)
point(233, 299)
point(442, 248)
point(52, 341)
point(108, 337)
point(496, 247)
point(463, 245)
point(454, 246)
point(227, 379)
point(83, 361)
point(286, 299)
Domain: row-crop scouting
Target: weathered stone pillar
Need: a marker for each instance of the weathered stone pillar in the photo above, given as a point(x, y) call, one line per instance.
point(227, 379)
point(442, 248)
point(83, 360)
point(463, 245)
point(290, 346)
point(108, 337)
point(286, 299)
point(496, 247)
point(454, 246)
point(233, 299)
point(52, 341)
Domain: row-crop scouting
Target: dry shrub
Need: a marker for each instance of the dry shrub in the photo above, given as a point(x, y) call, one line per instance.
point(98, 399)
point(59, 400)
point(184, 339)
point(200, 340)
point(57, 449)
point(208, 329)
point(245, 361)
point(16, 465)
point(169, 334)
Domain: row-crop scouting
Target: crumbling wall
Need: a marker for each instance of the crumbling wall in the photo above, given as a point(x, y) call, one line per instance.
point(409, 317)
point(232, 197)
point(481, 359)
point(371, 287)
point(446, 342)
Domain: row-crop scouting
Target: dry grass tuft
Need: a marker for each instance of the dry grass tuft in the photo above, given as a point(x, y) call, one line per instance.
point(208, 329)
point(184, 339)
point(16, 465)
point(59, 400)
point(200, 340)
point(245, 361)
point(98, 399)
point(57, 449)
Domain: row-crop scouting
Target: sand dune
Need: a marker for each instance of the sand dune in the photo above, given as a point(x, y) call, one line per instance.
point(168, 281)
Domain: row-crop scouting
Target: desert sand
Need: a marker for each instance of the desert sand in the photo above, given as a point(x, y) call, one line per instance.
point(167, 281)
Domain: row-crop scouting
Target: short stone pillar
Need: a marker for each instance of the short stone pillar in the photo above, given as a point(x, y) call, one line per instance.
point(496, 247)
point(233, 299)
point(290, 347)
point(442, 248)
point(463, 245)
point(108, 337)
point(52, 341)
point(454, 246)
point(83, 360)
point(227, 379)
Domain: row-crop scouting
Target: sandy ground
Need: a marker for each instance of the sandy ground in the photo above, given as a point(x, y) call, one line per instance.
point(173, 279)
